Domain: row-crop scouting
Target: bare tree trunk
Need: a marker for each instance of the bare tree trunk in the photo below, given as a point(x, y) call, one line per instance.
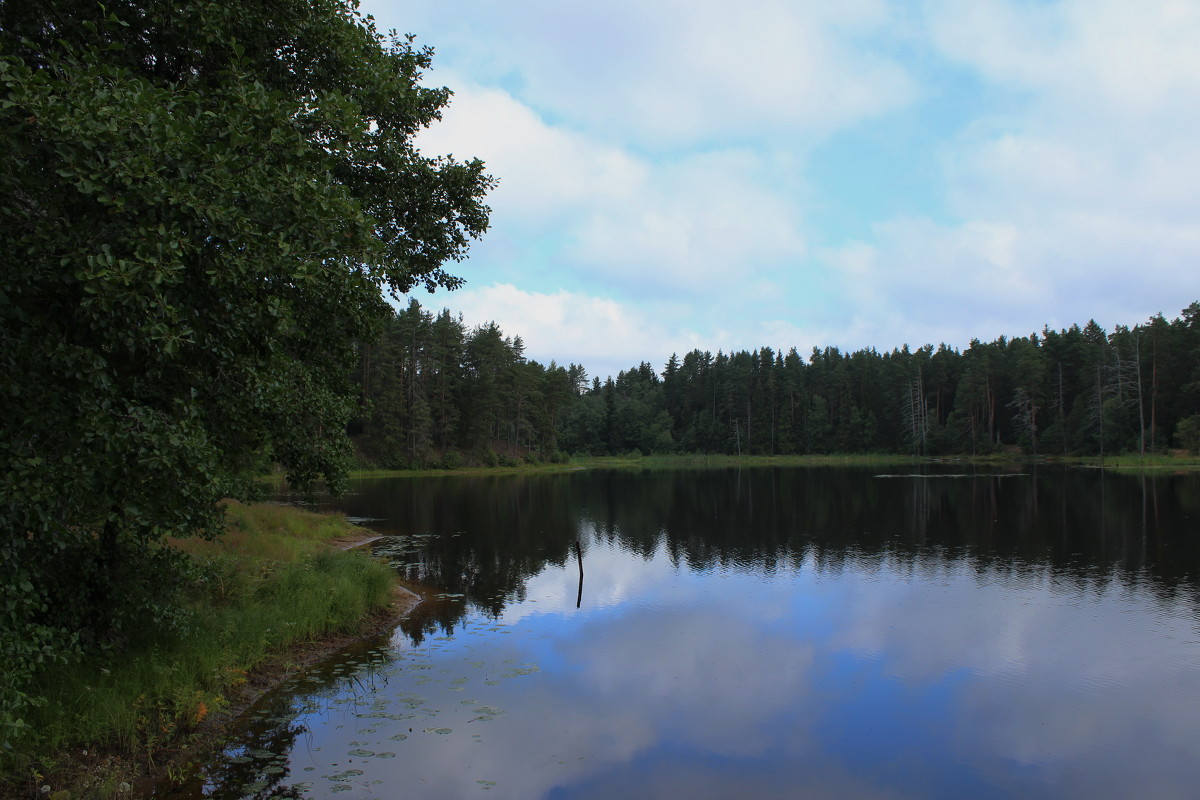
point(1153, 393)
point(1137, 356)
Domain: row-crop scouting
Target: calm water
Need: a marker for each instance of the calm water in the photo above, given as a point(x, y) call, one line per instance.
point(759, 633)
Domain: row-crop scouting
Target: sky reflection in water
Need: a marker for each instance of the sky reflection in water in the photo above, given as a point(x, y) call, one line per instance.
point(867, 675)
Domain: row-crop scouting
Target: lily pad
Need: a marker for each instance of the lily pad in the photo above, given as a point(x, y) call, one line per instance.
point(341, 776)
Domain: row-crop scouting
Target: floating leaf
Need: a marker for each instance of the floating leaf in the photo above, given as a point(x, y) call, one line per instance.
point(341, 776)
point(361, 753)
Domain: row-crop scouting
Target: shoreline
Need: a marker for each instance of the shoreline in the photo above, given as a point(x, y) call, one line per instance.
point(209, 737)
point(78, 773)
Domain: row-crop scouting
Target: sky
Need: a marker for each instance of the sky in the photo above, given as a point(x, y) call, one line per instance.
point(848, 173)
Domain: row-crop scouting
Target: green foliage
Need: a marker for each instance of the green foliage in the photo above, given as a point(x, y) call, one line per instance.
point(267, 583)
point(1079, 391)
point(270, 583)
point(1187, 434)
point(429, 385)
point(203, 202)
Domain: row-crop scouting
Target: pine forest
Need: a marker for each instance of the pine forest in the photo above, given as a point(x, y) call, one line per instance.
point(437, 394)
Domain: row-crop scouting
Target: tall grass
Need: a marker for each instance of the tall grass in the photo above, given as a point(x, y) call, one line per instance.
point(270, 582)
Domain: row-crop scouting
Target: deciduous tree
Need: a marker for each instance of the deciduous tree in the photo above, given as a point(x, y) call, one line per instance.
point(202, 202)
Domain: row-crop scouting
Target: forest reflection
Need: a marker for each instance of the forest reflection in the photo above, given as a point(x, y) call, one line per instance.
point(758, 633)
point(484, 537)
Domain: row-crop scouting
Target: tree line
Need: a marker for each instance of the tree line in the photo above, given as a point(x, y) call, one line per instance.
point(437, 394)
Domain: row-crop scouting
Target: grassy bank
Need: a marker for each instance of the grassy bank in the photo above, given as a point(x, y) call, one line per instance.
point(273, 581)
point(649, 462)
point(520, 469)
point(719, 460)
point(1134, 462)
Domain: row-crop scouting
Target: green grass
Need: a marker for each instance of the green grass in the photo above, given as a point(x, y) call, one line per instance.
point(719, 460)
point(1134, 462)
point(650, 462)
point(703, 461)
point(271, 582)
point(433, 473)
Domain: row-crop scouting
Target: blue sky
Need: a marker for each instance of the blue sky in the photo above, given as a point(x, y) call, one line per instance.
point(851, 173)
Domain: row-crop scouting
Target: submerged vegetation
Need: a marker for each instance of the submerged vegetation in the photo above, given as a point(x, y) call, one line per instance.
point(270, 582)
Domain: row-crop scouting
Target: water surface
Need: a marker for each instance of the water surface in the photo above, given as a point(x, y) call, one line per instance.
point(758, 633)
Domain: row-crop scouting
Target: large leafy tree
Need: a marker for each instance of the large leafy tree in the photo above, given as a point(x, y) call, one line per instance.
point(201, 205)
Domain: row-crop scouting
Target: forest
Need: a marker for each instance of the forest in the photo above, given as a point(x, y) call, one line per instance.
point(437, 394)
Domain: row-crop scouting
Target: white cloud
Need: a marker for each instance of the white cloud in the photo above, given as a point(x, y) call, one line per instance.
point(699, 225)
point(601, 334)
point(622, 222)
point(1077, 200)
point(1069, 194)
point(545, 171)
point(1139, 57)
point(679, 71)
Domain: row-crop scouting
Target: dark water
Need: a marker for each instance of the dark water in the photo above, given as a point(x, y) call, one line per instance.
point(759, 633)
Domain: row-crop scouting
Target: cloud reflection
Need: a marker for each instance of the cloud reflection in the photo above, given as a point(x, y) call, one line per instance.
point(831, 669)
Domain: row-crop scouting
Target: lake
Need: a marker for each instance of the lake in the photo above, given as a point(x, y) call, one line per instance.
point(914, 632)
